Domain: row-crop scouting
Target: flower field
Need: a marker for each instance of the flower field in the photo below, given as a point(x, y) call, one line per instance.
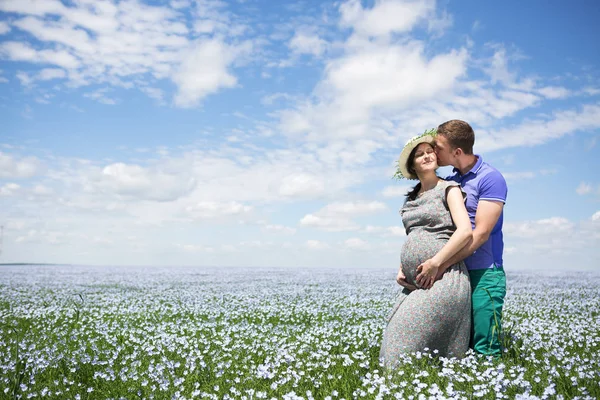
point(79, 332)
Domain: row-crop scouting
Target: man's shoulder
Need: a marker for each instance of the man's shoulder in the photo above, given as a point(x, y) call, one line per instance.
point(453, 177)
point(490, 172)
point(491, 184)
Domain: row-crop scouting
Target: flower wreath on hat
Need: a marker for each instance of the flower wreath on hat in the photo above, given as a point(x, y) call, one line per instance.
point(402, 171)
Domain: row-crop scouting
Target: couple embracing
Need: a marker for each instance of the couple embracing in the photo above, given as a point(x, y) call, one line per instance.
point(451, 262)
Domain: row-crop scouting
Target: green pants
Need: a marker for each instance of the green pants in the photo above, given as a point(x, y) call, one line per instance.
point(488, 288)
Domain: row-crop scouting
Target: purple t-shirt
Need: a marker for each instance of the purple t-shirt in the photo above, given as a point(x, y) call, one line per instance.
point(483, 182)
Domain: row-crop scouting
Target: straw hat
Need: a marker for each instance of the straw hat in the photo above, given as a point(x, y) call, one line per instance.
point(402, 169)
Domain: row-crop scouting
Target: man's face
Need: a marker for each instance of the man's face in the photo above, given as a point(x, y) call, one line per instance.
point(443, 151)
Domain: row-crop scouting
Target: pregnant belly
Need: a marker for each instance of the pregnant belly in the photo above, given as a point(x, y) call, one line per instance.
point(419, 247)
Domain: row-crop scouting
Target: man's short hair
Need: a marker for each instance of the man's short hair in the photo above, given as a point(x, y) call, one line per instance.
point(459, 135)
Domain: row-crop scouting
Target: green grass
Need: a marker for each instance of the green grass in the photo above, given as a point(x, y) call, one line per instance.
point(144, 343)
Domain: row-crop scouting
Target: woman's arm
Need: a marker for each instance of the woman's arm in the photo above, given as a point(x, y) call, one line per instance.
point(459, 239)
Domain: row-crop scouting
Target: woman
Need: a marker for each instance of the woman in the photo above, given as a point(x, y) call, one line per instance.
point(436, 313)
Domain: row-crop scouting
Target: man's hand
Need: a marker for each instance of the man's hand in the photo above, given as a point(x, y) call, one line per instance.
point(428, 272)
point(401, 279)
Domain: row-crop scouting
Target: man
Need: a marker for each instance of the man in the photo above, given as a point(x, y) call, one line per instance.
point(486, 194)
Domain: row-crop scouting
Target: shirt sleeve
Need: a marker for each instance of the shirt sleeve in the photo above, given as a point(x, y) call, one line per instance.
point(447, 186)
point(493, 187)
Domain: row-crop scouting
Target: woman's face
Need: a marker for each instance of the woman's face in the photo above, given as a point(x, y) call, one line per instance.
point(425, 158)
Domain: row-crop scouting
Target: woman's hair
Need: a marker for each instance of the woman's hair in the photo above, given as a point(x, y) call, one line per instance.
point(412, 194)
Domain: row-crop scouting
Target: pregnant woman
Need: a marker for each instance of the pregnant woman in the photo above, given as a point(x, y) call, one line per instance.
point(434, 312)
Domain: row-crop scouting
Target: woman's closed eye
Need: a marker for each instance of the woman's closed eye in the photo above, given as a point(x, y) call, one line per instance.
point(422, 153)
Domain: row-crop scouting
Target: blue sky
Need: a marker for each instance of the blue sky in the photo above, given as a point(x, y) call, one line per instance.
point(265, 133)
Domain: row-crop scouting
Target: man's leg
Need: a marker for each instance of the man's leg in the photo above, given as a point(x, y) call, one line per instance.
point(488, 288)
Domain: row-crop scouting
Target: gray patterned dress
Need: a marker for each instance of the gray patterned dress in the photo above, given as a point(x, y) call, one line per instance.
point(438, 318)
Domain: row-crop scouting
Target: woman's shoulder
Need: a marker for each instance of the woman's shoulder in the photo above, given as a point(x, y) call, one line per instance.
point(445, 184)
point(444, 189)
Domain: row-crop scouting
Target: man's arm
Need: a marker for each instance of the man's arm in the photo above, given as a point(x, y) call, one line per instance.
point(486, 217)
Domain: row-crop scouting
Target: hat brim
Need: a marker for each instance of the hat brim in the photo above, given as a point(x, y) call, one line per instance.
point(408, 148)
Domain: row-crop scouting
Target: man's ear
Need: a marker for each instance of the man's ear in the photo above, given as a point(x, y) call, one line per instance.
point(458, 152)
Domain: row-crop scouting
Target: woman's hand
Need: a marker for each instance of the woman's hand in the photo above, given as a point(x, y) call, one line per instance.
point(401, 279)
point(428, 272)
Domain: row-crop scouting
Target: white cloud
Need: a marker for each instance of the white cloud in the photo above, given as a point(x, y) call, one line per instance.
point(526, 175)
point(58, 32)
point(17, 51)
point(369, 80)
point(220, 175)
point(438, 25)
point(302, 185)
point(352, 208)
point(211, 16)
point(395, 191)
point(42, 190)
point(257, 244)
point(316, 245)
point(556, 236)
point(307, 43)
point(33, 7)
point(519, 176)
point(539, 228)
point(154, 93)
point(102, 42)
point(356, 244)
point(280, 229)
point(146, 183)
point(386, 17)
point(4, 28)
point(100, 96)
point(177, 4)
point(337, 217)
point(195, 248)
point(209, 209)
point(541, 130)
point(510, 250)
point(272, 98)
point(584, 188)
point(32, 193)
point(12, 167)
point(51, 73)
point(385, 231)
point(45, 74)
point(25, 79)
point(9, 189)
point(591, 91)
point(498, 67)
point(331, 224)
point(393, 74)
point(56, 237)
point(554, 92)
point(205, 71)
